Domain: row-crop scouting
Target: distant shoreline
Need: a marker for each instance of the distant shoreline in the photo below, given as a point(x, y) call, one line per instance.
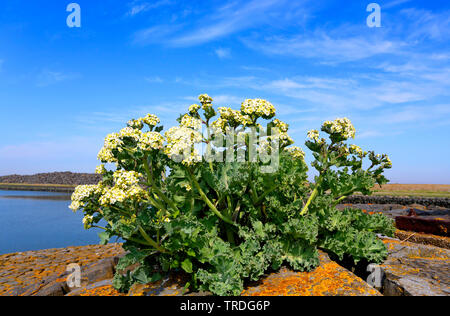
point(62, 188)
point(62, 182)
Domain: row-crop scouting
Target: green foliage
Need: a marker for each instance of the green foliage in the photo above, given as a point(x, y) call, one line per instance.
point(225, 223)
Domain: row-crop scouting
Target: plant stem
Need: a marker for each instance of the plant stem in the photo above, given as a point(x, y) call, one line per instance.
point(261, 198)
point(312, 196)
point(155, 188)
point(150, 241)
point(207, 201)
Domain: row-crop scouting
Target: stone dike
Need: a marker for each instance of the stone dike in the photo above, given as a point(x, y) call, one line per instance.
point(411, 269)
point(399, 200)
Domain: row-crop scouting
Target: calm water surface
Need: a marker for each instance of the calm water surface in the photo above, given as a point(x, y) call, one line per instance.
point(40, 220)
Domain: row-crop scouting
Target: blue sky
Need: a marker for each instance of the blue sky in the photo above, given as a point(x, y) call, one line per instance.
point(63, 89)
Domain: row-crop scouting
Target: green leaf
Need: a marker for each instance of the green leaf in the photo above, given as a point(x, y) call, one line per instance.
point(104, 237)
point(186, 265)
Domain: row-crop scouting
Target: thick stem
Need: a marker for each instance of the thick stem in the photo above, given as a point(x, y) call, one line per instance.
point(262, 197)
point(155, 188)
point(207, 201)
point(313, 195)
point(150, 241)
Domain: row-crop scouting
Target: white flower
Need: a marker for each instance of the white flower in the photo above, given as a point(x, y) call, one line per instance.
point(129, 132)
point(313, 135)
point(191, 122)
point(112, 141)
point(296, 152)
point(100, 169)
point(193, 109)
point(81, 194)
point(283, 127)
point(258, 107)
point(150, 141)
point(341, 127)
point(151, 120)
point(356, 150)
point(205, 99)
point(136, 124)
point(180, 142)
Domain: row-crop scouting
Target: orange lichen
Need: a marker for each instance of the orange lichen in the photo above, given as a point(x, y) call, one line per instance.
point(327, 279)
point(20, 270)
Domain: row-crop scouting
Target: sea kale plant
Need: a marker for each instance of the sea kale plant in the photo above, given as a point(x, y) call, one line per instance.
point(226, 199)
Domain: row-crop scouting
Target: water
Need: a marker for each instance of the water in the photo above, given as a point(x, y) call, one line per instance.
point(40, 220)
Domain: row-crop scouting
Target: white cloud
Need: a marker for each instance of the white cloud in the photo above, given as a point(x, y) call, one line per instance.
point(48, 77)
point(230, 18)
point(326, 48)
point(394, 3)
point(156, 79)
point(424, 24)
point(140, 7)
point(223, 53)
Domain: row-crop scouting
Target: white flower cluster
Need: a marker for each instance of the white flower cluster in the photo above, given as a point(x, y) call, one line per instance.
point(191, 122)
point(313, 135)
point(130, 132)
point(205, 99)
point(296, 152)
point(283, 127)
point(234, 118)
point(81, 194)
point(181, 141)
point(136, 124)
point(258, 108)
point(87, 221)
point(100, 169)
point(150, 141)
point(356, 150)
point(151, 120)
point(342, 127)
point(388, 163)
point(125, 179)
point(193, 109)
point(112, 141)
point(126, 186)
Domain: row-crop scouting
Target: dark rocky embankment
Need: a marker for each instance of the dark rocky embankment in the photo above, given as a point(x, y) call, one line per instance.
point(399, 200)
point(59, 178)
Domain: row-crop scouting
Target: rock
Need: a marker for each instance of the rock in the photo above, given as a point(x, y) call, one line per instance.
point(28, 272)
point(329, 279)
point(171, 285)
point(98, 271)
point(54, 288)
point(102, 288)
point(416, 270)
point(425, 239)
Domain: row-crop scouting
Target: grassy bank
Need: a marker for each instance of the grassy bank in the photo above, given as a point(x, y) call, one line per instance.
point(414, 190)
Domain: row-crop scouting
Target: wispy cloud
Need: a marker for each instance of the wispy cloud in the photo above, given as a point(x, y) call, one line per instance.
point(425, 24)
point(327, 48)
point(48, 77)
point(394, 3)
point(223, 53)
point(230, 18)
point(138, 7)
point(155, 79)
